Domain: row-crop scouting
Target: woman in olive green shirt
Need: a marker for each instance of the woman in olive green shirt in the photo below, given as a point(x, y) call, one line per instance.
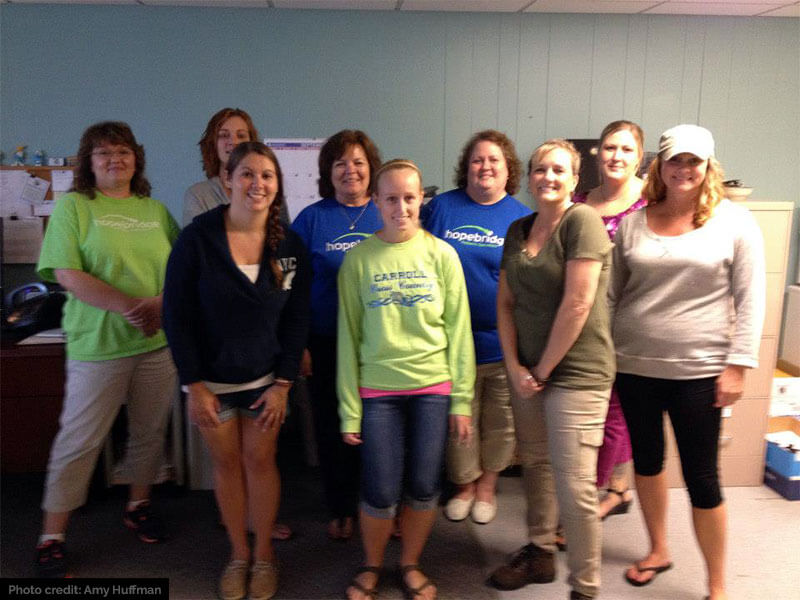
point(553, 322)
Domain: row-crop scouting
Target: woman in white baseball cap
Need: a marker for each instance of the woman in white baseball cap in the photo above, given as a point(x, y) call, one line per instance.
point(687, 294)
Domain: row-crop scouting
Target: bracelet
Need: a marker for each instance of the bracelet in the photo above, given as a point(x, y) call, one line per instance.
point(539, 381)
point(283, 383)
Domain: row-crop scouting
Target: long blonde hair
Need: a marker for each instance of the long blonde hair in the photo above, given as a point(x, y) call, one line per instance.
point(711, 191)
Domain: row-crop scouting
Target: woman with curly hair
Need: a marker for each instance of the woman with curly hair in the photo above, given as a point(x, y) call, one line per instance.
point(474, 218)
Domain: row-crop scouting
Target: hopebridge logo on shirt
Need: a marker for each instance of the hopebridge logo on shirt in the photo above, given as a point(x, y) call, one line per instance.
point(123, 223)
point(474, 235)
point(345, 242)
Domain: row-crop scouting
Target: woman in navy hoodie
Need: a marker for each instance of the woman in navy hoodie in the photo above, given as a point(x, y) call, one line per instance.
point(236, 315)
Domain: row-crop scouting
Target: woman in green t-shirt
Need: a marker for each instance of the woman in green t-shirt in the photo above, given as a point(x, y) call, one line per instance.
point(107, 243)
point(553, 322)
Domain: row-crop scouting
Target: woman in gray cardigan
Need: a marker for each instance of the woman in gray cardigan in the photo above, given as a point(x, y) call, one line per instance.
point(687, 293)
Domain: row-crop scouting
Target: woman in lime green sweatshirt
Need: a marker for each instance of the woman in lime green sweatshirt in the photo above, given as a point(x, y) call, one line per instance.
point(405, 373)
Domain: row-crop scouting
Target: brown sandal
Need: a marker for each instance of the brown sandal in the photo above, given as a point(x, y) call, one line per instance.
point(408, 591)
point(370, 593)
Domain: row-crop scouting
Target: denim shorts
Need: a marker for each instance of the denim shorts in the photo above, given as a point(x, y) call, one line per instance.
point(237, 404)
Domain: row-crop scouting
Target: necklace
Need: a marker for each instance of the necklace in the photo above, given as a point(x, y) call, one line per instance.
point(353, 222)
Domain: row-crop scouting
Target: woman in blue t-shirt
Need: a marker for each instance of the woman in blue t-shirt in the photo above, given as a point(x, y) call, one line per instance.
point(473, 218)
point(330, 227)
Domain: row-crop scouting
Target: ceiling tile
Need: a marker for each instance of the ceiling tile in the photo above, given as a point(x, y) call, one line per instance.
point(73, 2)
point(465, 5)
point(591, 6)
point(710, 8)
point(793, 10)
point(338, 4)
point(767, 2)
point(225, 3)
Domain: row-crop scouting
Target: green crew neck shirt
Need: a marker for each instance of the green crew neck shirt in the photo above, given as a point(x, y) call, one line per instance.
point(124, 242)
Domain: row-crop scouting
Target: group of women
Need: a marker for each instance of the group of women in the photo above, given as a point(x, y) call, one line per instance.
point(452, 333)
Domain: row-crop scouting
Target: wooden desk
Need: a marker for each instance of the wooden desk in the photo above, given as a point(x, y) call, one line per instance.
point(31, 394)
point(31, 391)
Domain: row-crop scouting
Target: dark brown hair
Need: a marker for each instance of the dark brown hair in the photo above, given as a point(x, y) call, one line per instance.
point(275, 232)
point(108, 132)
point(335, 147)
point(208, 143)
point(513, 164)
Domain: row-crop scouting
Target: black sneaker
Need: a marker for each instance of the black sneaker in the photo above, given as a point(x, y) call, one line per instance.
point(146, 523)
point(51, 560)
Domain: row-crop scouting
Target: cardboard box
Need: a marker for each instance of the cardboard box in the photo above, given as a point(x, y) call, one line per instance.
point(781, 460)
point(788, 488)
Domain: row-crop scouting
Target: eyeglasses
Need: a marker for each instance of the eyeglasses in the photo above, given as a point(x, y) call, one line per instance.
point(108, 154)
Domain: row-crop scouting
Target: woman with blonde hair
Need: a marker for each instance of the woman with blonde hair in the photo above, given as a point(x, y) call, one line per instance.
point(553, 321)
point(688, 301)
point(619, 155)
point(405, 374)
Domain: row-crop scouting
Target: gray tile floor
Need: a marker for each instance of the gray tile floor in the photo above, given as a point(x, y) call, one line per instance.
point(764, 547)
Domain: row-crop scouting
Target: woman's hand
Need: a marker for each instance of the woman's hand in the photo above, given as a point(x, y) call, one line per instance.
point(145, 315)
point(203, 406)
point(461, 428)
point(305, 364)
point(730, 386)
point(523, 382)
point(274, 398)
point(351, 439)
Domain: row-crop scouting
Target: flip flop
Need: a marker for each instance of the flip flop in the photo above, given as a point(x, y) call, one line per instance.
point(655, 570)
point(370, 593)
point(412, 592)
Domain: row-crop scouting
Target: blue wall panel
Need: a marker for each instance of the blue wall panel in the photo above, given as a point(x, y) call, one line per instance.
point(418, 83)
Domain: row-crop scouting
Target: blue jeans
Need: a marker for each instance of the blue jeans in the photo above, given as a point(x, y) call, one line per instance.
point(404, 440)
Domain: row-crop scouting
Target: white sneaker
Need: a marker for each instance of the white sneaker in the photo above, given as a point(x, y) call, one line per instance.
point(457, 509)
point(484, 512)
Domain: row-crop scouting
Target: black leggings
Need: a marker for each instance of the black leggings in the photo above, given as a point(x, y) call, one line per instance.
point(695, 421)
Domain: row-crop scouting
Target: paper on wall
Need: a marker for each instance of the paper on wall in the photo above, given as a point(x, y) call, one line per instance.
point(35, 190)
point(61, 180)
point(298, 159)
point(12, 184)
point(22, 240)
